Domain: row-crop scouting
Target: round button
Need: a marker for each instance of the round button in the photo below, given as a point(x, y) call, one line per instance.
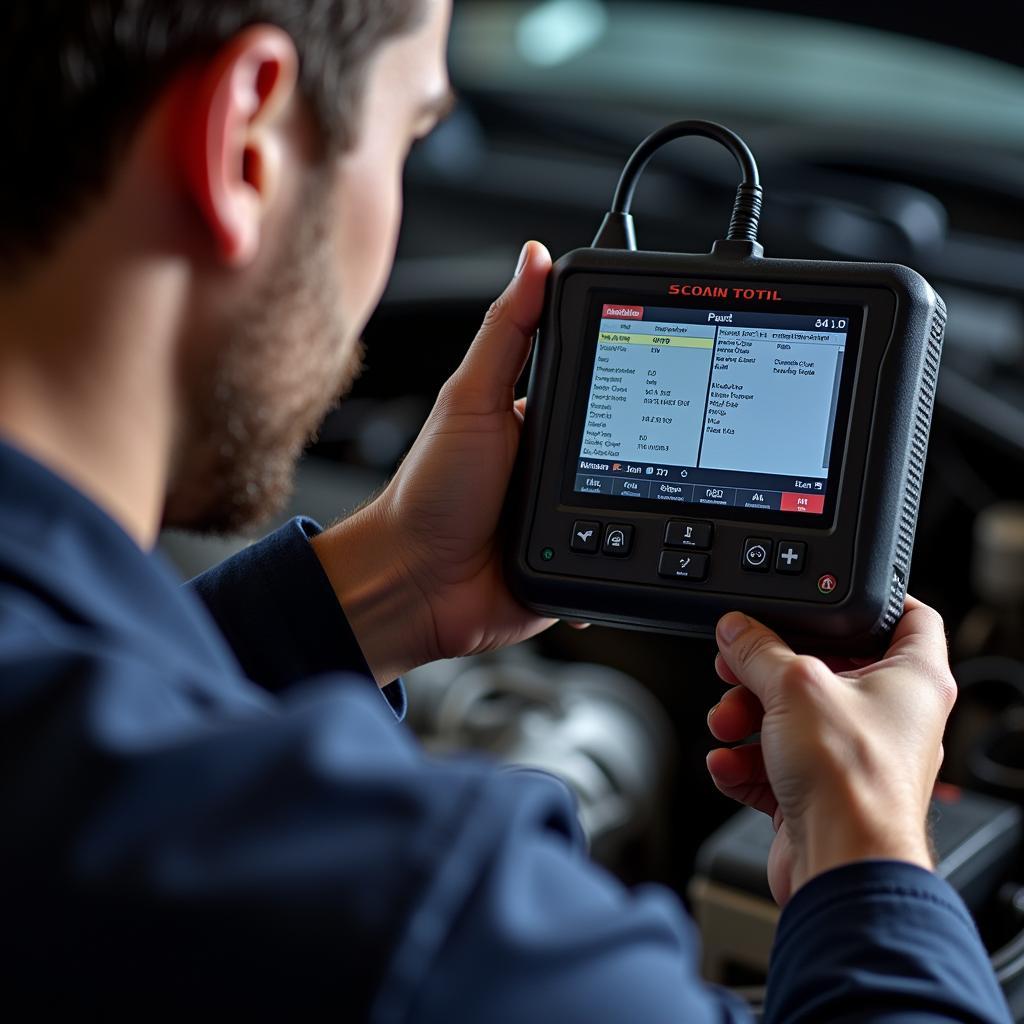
point(757, 555)
point(827, 583)
point(547, 554)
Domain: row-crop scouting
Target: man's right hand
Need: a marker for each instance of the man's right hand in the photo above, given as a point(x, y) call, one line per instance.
point(848, 755)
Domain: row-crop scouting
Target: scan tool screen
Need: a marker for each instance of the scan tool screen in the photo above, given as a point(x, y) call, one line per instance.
point(717, 406)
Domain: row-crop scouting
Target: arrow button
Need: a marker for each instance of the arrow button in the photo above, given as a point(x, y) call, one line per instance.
point(586, 537)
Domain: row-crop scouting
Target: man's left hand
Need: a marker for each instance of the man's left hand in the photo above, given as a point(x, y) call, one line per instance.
point(419, 570)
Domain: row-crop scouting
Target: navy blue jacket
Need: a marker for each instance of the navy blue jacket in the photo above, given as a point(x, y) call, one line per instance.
point(207, 802)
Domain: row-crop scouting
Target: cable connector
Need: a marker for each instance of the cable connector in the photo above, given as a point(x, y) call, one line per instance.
point(734, 249)
point(617, 232)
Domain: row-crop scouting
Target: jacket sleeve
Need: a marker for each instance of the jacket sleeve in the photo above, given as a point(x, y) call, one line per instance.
point(880, 941)
point(871, 943)
point(278, 611)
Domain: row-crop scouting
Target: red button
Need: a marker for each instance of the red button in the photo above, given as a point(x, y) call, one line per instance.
point(803, 503)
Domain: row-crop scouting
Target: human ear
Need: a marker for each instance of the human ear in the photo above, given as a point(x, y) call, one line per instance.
point(229, 136)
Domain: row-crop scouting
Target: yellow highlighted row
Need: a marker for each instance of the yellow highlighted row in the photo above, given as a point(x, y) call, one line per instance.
point(655, 340)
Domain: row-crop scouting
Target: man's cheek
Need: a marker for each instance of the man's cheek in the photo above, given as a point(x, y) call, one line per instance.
point(369, 225)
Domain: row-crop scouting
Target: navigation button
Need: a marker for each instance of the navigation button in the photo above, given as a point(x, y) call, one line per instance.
point(791, 557)
point(678, 566)
point(792, 502)
point(631, 488)
point(715, 495)
point(672, 492)
point(769, 501)
point(618, 540)
point(680, 534)
point(757, 554)
point(586, 537)
point(588, 483)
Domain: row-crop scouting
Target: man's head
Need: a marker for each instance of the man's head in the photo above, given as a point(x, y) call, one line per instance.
point(262, 142)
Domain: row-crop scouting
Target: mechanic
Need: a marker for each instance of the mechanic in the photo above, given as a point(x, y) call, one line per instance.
point(207, 799)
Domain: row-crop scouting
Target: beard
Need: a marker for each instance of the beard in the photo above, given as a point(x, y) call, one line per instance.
point(260, 392)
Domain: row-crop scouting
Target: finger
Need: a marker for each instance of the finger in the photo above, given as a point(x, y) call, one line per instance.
point(919, 642)
point(725, 673)
point(578, 625)
point(738, 715)
point(520, 406)
point(836, 664)
point(739, 774)
point(738, 766)
point(754, 654)
point(921, 632)
point(499, 352)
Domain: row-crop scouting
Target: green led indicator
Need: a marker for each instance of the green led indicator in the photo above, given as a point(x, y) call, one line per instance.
point(547, 554)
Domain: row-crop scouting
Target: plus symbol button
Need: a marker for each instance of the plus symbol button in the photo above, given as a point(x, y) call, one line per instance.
point(791, 557)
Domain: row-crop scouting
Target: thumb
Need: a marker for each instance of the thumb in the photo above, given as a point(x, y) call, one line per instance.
point(499, 352)
point(756, 655)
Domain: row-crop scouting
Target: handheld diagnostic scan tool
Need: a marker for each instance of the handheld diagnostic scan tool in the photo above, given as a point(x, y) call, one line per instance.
point(706, 433)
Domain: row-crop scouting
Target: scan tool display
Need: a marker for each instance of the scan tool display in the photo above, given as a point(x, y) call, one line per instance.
point(713, 407)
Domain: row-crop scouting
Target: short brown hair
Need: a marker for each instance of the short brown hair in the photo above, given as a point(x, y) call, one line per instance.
point(78, 75)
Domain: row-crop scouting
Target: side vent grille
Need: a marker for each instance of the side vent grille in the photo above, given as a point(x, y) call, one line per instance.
point(894, 607)
point(915, 471)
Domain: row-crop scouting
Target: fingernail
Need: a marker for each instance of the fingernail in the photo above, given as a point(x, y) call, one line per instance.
point(522, 260)
point(713, 710)
point(732, 626)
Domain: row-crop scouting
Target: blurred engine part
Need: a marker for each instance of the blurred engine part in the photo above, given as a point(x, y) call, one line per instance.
point(996, 625)
point(982, 381)
point(594, 727)
point(985, 737)
point(977, 843)
point(996, 761)
point(373, 432)
point(983, 743)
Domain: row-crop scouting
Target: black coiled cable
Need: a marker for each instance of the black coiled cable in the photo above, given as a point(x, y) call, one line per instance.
point(746, 213)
